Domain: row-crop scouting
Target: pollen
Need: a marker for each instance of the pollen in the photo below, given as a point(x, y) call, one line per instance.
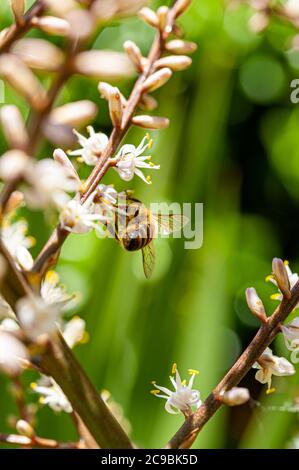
point(184, 382)
point(270, 390)
point(52, 277)
point(193, 371)
point(174, 368)
point(286, 263)
point(33, 385)
point(155, 392)
point(150, 143)
point(269, 278)
point(149, 180)
point(275, 296)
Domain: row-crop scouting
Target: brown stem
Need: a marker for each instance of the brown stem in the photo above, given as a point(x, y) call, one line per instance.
point(186, 435)
point(39, 442)
point(16, 31)
point(52, 247)
point(20, 399)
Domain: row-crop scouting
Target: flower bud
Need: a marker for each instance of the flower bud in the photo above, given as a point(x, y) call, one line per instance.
point(134, 54)
point(255, 304)
point(157, 79)
point(20, 77)
point(174, 62)
point(13, 126)
point(178, 46)
point(148, 102)
point(235, 396)
point(61, 157)
point(150, 122)
point(104, 64)
point(81, 23)
point(52, 25)
point(18, 8)
point(162, 13)
point(38, 54)
point(11, 351)
point(115, 107)
point(12, 164)
point(105, 90)
point(281, 276)
point(181, 6)
point(59, 7)
point(15, 201)
point(76, 114)
point(25, 429)
point(259, 22)
point(149, 16)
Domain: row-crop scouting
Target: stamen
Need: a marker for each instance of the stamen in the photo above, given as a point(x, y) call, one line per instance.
point(286, 262)
point(270, 390)
point(193, 371)
point(155, 392)
point(269, 278)
point(153, 382)
point(174, 368)
point(150, 144)
point(149, 179)
point(33, 385)
point(184, 382)
point(275, 296)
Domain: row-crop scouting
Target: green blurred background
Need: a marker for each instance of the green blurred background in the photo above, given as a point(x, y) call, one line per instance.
point(233, 145)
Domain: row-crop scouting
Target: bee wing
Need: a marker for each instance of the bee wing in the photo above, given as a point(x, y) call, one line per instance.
point(148, 260)
point(169, 223)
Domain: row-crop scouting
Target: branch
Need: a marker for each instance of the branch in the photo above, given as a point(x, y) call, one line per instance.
point(52, 247)
point(186, 435)
point(18, 30)
point(58, 361)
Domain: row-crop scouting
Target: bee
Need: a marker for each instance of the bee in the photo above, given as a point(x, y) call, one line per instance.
point(140, 226)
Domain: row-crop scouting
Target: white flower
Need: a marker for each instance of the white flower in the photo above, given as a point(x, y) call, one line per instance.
point(74, 331)
point(293, 278)
point(54, 294)
point(52, 395)
point(36, 316)
point(9, 325)
point(82, 218)
point(14, 237)
point(183, 397)
point(129, 161)
point(269, 365)
point(291, 337)
point(91, 147)
point(50, 182)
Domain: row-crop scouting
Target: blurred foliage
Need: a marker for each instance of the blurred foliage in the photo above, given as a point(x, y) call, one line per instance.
point(233, 145)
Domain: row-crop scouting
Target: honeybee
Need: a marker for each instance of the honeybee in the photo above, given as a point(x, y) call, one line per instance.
point(140, 226)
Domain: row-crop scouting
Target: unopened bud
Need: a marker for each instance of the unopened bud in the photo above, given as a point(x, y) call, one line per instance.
point(13, 126)
point(148, 102)
point(25, 429)
point(11, 351)
point(178, 46)
point(16, 200)
point(149, 16)
point(150, 122)
point(259, 22)
point(76, 114)
point(52, 25)
point(134, 54)
point(81, 23)
point(255, 304)
point(104, 64)
point(12, 164)
point(38, 54)
point(105, 90)
point(162, 13)
point(236, 396)
point(18, 8)
point(115, 107)
point(281, 277)
point(22, 79)
point(181, 6)
point(174, 62)
point(157, 79)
